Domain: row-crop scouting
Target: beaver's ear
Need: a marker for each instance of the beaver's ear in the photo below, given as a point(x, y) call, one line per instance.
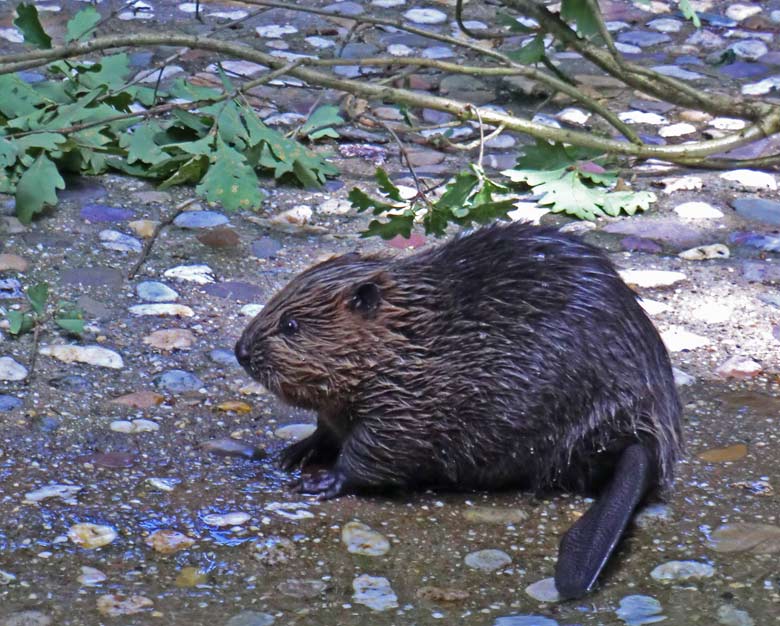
point(366, 298)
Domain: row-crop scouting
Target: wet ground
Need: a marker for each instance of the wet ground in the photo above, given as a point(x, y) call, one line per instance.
point(254, 553)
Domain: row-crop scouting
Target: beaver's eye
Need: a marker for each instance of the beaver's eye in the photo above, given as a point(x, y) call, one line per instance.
point(288, 326)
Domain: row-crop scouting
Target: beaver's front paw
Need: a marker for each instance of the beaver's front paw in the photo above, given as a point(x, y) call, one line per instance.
point(325, 484)
point(297, 454)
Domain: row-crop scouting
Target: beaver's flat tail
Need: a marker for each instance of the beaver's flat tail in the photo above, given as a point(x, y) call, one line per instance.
point(588, 544)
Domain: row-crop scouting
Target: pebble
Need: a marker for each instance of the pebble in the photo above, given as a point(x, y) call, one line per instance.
point(6, 578)
point(374, 592)
point(703, 253)
point(26, 618)
point(299, 588)
point(697, 210)
point(139, 399)
point(91, 355)
point(10, 289)
point(728, 454)
point(335, 206)
point(163, 484)
point(97, 213)
point(543, 590)
point(320, 42)
point(190, 577)
point(90, 576)
point(134, 427)
point(651, 278)
point(158, 310)
point(200, 219)
point(739, 12)
point(168, 339)
point(236, 518)
point(251, 618)
point(119, 242)
point(251, 310)
point(677, 130)
point(495, 515)
point(665, 25)
point(438, 52)
point(222, 237)
point(87, 535)
point(199, 274)
point(673, 571)
point(425, 16)
point(13, 262)
point(154, 291)
point(9, 403)
point(729, 615)
point(575, 117)
point(638, 610)
point(221, 356)
point(227, 446)
point(682, 379)
point(758, 209)
point(487, 560)
point(643, 117)
point(275, 31)
point(66, 493)
point(362, 539)
point(746, 537)
point(653, 514)
point(750, 49)
point(727, 123)
point(430, 593)
point(762, 87)
point(677, 339)
point(113, 605)
point(750, 179)
point(740, 367)
point(525, 620)
point(642, 38)
point(265, 248)
point(144, 228)
point(178, 381)
point(294, 432)
point(167, 541)
point(653, 307)
point(298, 215)
point(674, 71)
point(10, 370)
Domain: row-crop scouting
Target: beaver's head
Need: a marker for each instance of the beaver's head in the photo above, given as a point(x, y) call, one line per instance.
point(323, 334)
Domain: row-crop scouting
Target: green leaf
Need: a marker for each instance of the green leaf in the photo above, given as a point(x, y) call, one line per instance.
point(319, 121)
point(82, 24)
point(230, 125)
point(604, 178)
point(38, 295)
point(19, 323)
point(230, 180)
point(362, 202)
point(141, 146)
point(19, 98)
point(387, 186)
point(191, 171)
point(9, 151)
point(457, 192)
point(581, 14)
point(627, 201)
point(544, 155)
point(569, 195)
point(72, 325)
point(487, 212)
point(27, 21)
point(111, 73)
point(396, 225)
point(50, 142)
point(502, 19)
point(36, 188)
point(187, 91)
point(530, 53)
point(690, 13)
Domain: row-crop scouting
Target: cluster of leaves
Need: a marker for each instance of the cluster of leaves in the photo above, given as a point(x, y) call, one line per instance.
point(573, 180)
point(470, 197)
point(65, 315)
point(83, 120)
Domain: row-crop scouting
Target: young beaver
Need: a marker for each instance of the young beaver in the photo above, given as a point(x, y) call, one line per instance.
point(511, 356)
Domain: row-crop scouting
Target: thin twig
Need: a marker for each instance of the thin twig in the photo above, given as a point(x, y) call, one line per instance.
point(157, 230)
point(34, 351)
point(404, 156)
point(470, 33)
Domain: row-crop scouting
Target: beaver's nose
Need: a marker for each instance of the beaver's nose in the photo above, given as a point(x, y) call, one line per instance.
point(243, 353)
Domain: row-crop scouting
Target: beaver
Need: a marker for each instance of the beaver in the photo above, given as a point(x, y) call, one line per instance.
point(512, 356)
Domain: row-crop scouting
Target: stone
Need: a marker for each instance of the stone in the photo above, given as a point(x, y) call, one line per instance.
point(425, 16)
point(651, 278)
point(13, 262)
point(298, 215)
point(543, 590)
point(665, 25)
point(762, 87)
point(162, 309)
point(677, 130)
point(236, 518)
point(525, 620)
point(227, 446)
point(154, 291)
point(219, 238)
point(677, 339)
point(703, 253)
point(10, 370)
point(739, 12)
point(438, 52)
point(251, 618)
point(10, 289)
point(761, 272)
point(199, 274)
point(751, 179)
point(168, 541)
point(573, 116)
point(487, 560)
point(727, 123)
point(101, 213)
point(674, 571)
point(643, 38)
point(274, 31)
point(91, 355)
point(234, 290)
point(169, 339)
point(200, 219)
point(362, 539)
point(758, 209)
point(87, 535)
point(178, 381)
point(674, 71)
point(729, 615)
point(697, 210)
point(265, 248)
point(374, 592)
point(294, 432)
point(642, 117)
point(760, 241)
point(119, 242)
point(750, 49)
point(740, 367)
point(638, 610)
point(9, 403)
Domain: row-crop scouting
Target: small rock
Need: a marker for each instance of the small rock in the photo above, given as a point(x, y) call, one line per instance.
point(190, 577)
point(199, 274)
point(10, 289)
point(298, 215)
point(114, 605)
point(653, 307)
point(677, 339)
point(134, 427)
point(88, 535)
point(639, 610)
point(681, 183)
point(140, 399)
point(10, 370)
point(703, 253)
point(544, 590)
point(9, 403)
point(673, 571)
point(178, 381)
point(697, 211)
point(154, 291)
point(728, 454)
point(425, 16)
point(168, 541)
point(200, 219)
point(67, 493)
point(653, 514)
point(651, 278)
point(169, 339)
point(294, 432)
point(441, 594)
point(97, 213)
point(487, 560)
point(674, 71)
point(758, 209)
point(298, 588)
point(665, 25)
point(640, 244)
point(739, 12)
point(335, 206)
point(495, 515)
point(251, 618)
point(91, 355)
point(219, 238)
point(729, 615)
point(750, 49)
point(114, 240)
point(162, 309)
point(144, 228)
point(26, 618)
point(374, 592)
point(13, 262)
point(575, 117)
point(739, 367)
point(91, 577)
point(109, 460)
point(728, 123)
point(163, 484)
point(220, 356)
point(275, 551)
point(677, 130)
point(265, 248)
point(362, 539)
point(525, 620)
point(251, 310)
point(746, 537)
point(226, 519)
point(750, 179)
point(275, 31)
point(642, 38)
point(233, 447)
